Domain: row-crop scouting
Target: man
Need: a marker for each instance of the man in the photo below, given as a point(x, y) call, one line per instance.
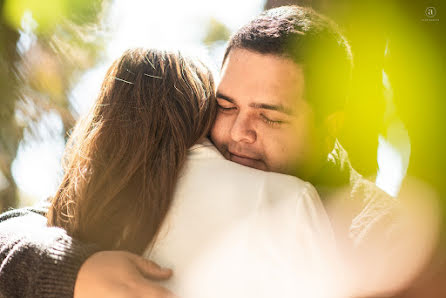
point(285, 80)
point(284, 84)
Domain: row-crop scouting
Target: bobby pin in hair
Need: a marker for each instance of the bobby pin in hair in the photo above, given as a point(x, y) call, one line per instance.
point(116, 78)
point(148, 60)
point(177, 88)
point(128, 70)
point(152, 76)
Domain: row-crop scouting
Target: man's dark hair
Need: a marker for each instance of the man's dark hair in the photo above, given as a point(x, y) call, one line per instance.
point(310, 40)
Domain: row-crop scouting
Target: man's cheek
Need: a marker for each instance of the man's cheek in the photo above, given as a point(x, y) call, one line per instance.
point(285, 154)
point(221, 129)
point(280, 144)
point(217, 135)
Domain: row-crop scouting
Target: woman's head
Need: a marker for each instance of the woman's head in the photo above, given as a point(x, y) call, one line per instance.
point(122, 160)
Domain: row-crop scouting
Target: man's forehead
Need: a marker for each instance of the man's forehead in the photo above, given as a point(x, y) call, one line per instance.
point(249, 77)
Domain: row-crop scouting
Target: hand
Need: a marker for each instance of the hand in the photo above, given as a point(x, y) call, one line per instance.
point(120, 274)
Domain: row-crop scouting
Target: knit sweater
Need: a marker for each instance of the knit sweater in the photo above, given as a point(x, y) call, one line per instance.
point(36, 260)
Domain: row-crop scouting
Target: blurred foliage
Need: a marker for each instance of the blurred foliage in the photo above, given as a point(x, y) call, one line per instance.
point(44, 47)
point(216, 31)
point(50, 13)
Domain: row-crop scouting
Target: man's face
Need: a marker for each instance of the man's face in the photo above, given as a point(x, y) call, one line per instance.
point(263, 120)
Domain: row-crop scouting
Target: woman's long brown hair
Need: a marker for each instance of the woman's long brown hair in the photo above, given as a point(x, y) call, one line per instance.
point(123, 159)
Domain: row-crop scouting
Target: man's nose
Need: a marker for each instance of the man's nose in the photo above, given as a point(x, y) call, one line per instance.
point(242, 130)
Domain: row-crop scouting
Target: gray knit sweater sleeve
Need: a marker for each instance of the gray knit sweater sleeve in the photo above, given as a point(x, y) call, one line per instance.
point(36, 260)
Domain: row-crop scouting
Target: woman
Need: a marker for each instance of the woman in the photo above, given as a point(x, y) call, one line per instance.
point(141, 176)
point(122, 161)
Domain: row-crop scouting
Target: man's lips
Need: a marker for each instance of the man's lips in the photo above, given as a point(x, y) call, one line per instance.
point(246, 161)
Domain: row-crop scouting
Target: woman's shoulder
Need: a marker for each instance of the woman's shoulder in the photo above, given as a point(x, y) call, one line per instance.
point(278, 185)
point(206, 161)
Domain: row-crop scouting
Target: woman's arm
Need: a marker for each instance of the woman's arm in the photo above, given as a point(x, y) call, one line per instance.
point(38, 261)
point(41, 261)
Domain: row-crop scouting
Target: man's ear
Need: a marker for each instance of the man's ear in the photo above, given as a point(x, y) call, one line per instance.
point(333, 124)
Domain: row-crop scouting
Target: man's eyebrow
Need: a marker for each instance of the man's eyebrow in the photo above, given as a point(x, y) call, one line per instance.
point(278, 108)
point(225, 97)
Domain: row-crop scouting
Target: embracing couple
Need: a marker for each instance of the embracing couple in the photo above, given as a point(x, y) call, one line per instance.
point(205, 180)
